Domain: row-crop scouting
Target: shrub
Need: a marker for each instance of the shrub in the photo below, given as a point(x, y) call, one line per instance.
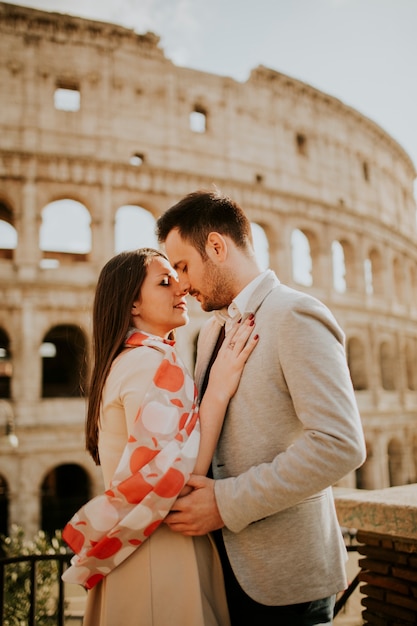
point(17, 578)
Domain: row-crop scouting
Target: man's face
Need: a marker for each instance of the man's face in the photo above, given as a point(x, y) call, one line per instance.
point(207, 281)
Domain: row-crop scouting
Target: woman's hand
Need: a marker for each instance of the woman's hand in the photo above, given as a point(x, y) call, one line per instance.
point(223, 381)
point(235, 350)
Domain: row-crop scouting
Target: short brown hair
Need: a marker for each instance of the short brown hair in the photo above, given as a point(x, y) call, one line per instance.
point(202, 212)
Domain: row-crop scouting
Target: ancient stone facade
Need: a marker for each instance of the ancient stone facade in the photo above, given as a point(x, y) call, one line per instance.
point(324, 182)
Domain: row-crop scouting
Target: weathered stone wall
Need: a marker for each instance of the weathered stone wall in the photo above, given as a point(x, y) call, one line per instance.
point(292, 156)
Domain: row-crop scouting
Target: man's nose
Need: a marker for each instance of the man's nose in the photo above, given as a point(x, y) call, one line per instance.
point(183, 286)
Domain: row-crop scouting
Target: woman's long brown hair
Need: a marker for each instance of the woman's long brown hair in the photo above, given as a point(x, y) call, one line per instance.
point(118, 286)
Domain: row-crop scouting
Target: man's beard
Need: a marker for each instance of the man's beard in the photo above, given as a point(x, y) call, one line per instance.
point(219, 288)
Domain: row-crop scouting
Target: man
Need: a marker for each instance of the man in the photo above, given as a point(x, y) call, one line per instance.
point(291, 431)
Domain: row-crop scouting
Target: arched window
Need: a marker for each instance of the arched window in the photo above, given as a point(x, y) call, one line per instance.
point(339, 267)
point(365, 474)
point(64, 363)
point(8, 237)
point(395, 463)
point(411, 363)
point(64, 490)
point(367, 269)
point(198, 119)
point(261, 245)
point(134, 228)
point(414, 479)
point(65, 232)
point(357, 365)
point(399, 279)
point(8, 233)
point(376, 280)
point(388, 365)
point(6, 366)
point(413, 284)
point(302, 264)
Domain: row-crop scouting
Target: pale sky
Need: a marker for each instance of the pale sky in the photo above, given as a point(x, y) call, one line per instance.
point(363, 52)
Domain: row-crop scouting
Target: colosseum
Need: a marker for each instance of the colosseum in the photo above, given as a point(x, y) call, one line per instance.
point(100, 133)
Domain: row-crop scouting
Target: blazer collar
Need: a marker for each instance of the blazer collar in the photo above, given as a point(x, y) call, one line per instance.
point(269, 282)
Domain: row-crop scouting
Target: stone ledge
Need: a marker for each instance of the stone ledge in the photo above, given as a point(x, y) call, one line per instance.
point(391, 511)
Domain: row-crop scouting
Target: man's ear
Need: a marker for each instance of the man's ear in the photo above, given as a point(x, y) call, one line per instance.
point(216, 247)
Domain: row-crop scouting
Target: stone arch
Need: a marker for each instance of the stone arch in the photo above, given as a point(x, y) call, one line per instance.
point(357, 363)
point(302, 257)
point(65, 232)
point(64, 362)
point(4, 506)
point(64, 490)
point(261, 245)
point(375, 280)
point(339, 267)
point(412, 272)
point(399, 279)
point(388, 364)
point(414, 453)
point(343, 262)
point(350, 263)
point(365, 474)
point(6, 365)
point(411, 362)
point(8, 232)
point(395, 462)
point(198, 118)
point(134, 228)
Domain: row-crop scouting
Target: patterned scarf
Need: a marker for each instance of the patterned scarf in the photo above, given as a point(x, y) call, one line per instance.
point(153, 468)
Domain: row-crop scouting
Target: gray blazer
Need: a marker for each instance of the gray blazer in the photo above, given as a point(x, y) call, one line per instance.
point(291, 431)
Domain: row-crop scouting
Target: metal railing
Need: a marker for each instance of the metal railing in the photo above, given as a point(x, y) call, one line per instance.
point(349, 536)
point(63, 559)
point(33, 560)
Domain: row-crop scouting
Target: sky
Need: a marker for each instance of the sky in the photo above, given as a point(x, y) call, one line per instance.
point(363, 52)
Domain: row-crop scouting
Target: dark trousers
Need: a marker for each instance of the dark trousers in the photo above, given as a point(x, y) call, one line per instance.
point(243, 610)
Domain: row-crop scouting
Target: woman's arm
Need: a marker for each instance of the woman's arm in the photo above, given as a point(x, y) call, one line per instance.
point(223, 382)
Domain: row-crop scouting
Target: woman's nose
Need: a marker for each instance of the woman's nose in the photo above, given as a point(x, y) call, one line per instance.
point(182, 286)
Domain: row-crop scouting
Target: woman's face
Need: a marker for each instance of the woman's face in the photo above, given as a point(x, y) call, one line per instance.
point(161, 305)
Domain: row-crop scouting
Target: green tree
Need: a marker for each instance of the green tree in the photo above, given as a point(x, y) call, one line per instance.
point(17, 578)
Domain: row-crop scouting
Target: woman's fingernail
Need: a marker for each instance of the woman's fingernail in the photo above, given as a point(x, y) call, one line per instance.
point(256, 337)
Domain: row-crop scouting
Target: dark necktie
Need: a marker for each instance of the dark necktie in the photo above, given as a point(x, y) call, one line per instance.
point(219, 342)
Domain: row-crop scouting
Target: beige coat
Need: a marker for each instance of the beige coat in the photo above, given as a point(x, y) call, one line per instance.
point(291, 431)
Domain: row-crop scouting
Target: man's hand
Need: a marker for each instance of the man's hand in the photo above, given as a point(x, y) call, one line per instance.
point(197, 512)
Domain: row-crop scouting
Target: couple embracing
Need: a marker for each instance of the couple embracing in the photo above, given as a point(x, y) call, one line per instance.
point(271, 416)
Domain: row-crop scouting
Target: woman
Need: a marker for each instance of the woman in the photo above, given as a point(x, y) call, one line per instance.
point(143, 427)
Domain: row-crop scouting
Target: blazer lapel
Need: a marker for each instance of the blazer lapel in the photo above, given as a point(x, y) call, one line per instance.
point(264, 288)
